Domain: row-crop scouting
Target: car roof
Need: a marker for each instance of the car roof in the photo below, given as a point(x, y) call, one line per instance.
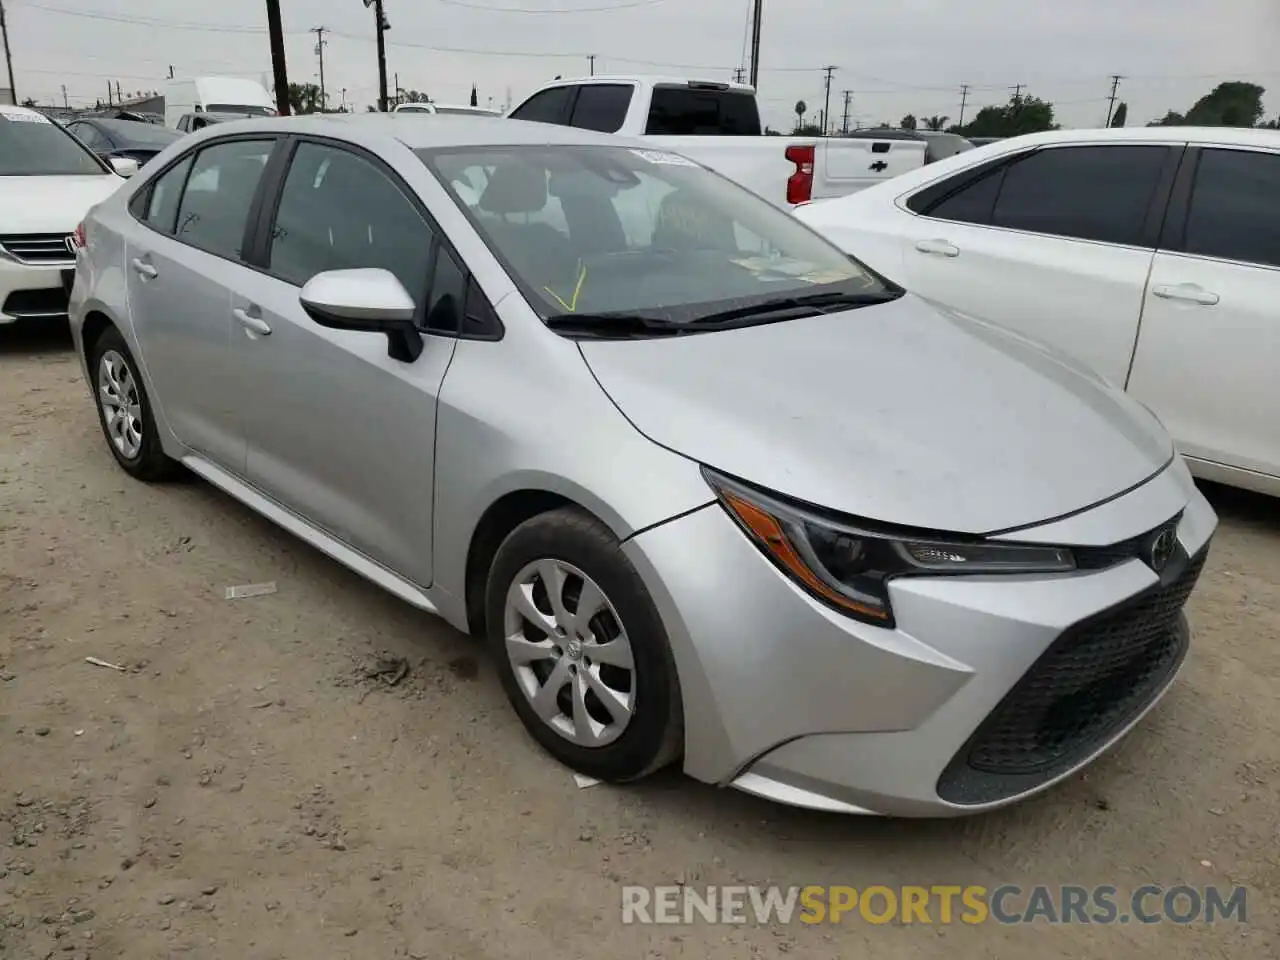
point(1238, 135)
point(434, 131)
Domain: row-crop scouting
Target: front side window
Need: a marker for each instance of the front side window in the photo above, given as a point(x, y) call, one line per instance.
point(1235, 207)
point(215, 206)
point(611, 230)
point(340, 212)
point(32, 145)
point(1100, 193)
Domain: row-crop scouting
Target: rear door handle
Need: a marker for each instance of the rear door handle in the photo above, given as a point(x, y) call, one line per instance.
point(251, 323)
point(939, 248)
point(144, 269)
point(1187, 293)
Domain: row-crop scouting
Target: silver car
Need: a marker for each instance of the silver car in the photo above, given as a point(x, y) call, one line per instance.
point(711, 490)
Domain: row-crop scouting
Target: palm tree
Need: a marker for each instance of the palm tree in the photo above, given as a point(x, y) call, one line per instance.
point(936, 122)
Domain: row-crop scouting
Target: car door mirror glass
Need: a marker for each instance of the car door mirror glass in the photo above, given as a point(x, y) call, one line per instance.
point(367, 299)
point(124, 166)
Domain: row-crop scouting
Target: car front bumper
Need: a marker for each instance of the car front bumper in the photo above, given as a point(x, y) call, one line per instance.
point(34, 292)
point(957, 709)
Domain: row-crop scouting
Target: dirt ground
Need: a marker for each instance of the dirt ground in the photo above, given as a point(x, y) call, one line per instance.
point(245, 788)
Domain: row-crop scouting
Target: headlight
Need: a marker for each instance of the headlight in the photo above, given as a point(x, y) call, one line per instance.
point(849, 566)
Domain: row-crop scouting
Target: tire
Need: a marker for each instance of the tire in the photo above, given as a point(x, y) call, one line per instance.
point(134, 440)
point(570, 546)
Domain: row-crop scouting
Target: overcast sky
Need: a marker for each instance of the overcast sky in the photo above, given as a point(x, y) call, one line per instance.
point(897, 57)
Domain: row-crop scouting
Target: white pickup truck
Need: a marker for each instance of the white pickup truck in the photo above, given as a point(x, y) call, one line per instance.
point(718, 124)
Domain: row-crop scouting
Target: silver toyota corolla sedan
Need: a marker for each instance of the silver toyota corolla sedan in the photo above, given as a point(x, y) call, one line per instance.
point(711, 490)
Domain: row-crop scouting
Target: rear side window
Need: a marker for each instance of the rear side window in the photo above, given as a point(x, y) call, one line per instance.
point(1235, 207)
point(690, 111)
point(1098, 193)
point(549, 106)
point(215, 205)
point(162, 206)
point(602, 107)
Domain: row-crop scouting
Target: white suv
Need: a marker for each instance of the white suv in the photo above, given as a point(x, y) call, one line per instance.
point(48, 181)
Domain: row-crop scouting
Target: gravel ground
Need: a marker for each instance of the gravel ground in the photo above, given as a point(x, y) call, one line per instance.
point(253, 785)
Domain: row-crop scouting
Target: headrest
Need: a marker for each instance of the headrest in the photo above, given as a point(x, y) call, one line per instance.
point(515, 188)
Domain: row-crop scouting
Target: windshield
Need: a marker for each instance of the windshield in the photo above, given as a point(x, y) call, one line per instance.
point(615, 230)
point(139, 133)
point(31, 145)
point(240, 108)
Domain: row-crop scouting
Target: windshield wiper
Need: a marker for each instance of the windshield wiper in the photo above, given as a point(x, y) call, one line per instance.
point(796, 306)
point(615, 326)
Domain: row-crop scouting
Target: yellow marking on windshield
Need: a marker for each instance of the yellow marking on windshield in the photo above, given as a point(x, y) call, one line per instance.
point(572, 305)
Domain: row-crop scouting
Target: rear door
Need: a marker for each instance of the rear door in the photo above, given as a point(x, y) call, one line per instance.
point(1209, 350)
point(181, 268)
point(1055, 243)
point(336, 430)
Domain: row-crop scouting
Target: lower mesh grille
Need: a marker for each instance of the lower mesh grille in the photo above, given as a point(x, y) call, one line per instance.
point(1088, 684)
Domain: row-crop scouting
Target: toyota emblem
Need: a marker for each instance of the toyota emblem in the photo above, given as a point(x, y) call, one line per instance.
point(1162, 549)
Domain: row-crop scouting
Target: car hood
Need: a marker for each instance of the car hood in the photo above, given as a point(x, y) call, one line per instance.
point(904, 413)
point(51, 204)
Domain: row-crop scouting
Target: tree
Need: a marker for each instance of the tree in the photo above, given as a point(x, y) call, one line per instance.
point(305, 98)
point(808, 130)
point(935, 122)
point(801, 109)
point(29, 102)
point(908, 122)
point(1232, 104)
point(1170, 119)
point(1022, 114)
point(1121, 115)
point(475, 96)
point(1270, 125)
point(414, 96)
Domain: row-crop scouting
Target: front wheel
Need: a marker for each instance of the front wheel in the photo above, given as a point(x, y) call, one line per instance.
point(581, 649)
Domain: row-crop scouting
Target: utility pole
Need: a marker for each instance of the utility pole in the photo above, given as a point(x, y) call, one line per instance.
point(8, 57)
point(171, 71)
point(756, 17)
point(279, 74)
point(592, 58)
point(110, 93)
point(1017, 92)
point(826, 109)
point(964, 100)
point(739, 74)
point(321, 42)
point(66, 105)
point(844, 123)
point(1111, 105)
point(382, 27)
point(119, 95)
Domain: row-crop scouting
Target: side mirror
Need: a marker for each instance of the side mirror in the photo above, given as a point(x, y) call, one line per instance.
point(124, 166)
point(370, 300)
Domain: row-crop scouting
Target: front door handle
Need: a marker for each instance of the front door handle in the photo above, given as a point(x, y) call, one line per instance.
point(939, 248)
point(251, 323)
point(1187, 293)
point(143, 269)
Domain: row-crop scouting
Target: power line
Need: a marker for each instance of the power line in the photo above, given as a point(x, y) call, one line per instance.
point(552, 10)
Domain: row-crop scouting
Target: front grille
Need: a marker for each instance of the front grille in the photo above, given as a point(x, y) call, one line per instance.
point(1085, 687)
point(39, 249)
point(36, 303)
